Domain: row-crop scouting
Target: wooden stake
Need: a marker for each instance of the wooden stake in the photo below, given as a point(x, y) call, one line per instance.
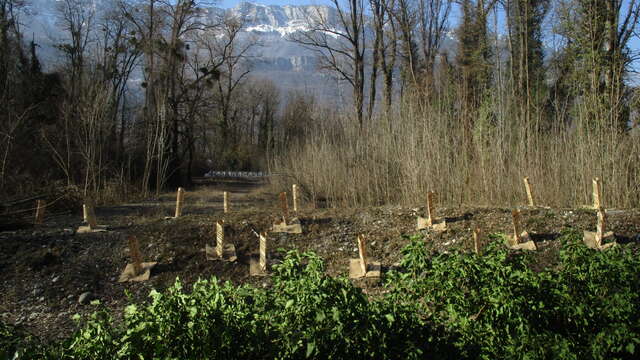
point(515, 214)
point(219, 238)
point(594, 239)
point(363, 267)
point(527, 187)
point(601, 227)
point(40, 207)
point(476, 240)
point(520, 240)
point(362, 250)
point(226, 202)
point(137, 270)
point(431, 221)
point(136, 257)
point(295, 198)
point(91, 215)
point(90, 219)
point(596, 194)
point(285, 206)
point(85, 214)
point(179, 202)
point(430, 208)
point(263, 251)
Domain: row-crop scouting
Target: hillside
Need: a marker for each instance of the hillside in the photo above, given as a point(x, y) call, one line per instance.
point(48, 267)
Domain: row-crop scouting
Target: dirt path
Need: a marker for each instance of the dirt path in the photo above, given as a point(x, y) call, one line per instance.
point(45, 269)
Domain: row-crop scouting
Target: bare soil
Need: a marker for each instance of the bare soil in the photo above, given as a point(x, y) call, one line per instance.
point(44, 269)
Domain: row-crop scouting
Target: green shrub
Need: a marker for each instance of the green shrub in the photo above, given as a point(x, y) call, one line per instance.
point(457, 305)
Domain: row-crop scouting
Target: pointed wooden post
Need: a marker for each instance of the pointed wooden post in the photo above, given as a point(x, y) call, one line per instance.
point(601, 226)
point(85, 214)
point(263, 252)
point(179, 202)
point(597, 203)
point(225, 251)
point(294, 193)
point(476, 240)
point(527, 187)
point(40, 208)
point(219, 238)
point(362, 267)
point(594, 240)
point(136, 270)
point(431, 221)
point(362, 251)
point(430, 208)
point(258, 266)
point(293, 227)
point(226, 202)
point(91, 215)
point(521, 240)
point(515, 214)
point(90, 218)
point(285, 206)
point(136, 257)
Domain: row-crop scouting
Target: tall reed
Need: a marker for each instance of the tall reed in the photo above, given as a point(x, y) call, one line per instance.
point(422, 146)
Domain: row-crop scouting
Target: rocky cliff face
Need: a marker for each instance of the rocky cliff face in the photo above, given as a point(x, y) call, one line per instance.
point(288, 64)
point(291, 66)
point(273, 25)
point(283, 20)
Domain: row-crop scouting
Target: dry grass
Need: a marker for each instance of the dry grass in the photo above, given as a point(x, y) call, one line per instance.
point(398, 158)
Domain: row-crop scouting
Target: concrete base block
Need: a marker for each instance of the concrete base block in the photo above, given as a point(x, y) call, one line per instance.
point(355, 270)
point(591, 240)
point(228, 253)
point(525, 243)
point(87, 229)
point(294, 227)
point(423, 223)
point(128, 273)
point(255, 269)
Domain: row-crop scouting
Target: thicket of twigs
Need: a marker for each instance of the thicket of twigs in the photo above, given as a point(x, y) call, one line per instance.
point(471, 124)
point(399, 157)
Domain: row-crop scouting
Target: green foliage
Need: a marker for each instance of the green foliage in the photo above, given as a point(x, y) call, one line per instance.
point(496, 306)
point(457, 305)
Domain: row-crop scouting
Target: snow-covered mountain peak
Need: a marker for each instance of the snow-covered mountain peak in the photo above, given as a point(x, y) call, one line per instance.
point(283, 20)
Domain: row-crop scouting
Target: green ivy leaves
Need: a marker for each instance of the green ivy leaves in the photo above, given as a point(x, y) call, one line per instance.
point(456, 305)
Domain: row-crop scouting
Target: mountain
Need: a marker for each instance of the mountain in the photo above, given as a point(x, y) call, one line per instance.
point(289, 65)
point(283, 20)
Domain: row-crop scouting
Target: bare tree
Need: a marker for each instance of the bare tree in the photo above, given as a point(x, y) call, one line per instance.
point(388, 50)
point(163, 28)
point(116, 61)
point(340, 45)
point(10, 41)
point(11, 55)
point(76, 18)
point(229, 56)
point(433, 22)
point(406, 18)
point(378, 11)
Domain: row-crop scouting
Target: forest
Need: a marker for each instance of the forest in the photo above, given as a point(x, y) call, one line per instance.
point(542, 88)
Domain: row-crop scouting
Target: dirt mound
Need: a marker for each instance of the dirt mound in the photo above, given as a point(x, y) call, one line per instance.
point(47, 268)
